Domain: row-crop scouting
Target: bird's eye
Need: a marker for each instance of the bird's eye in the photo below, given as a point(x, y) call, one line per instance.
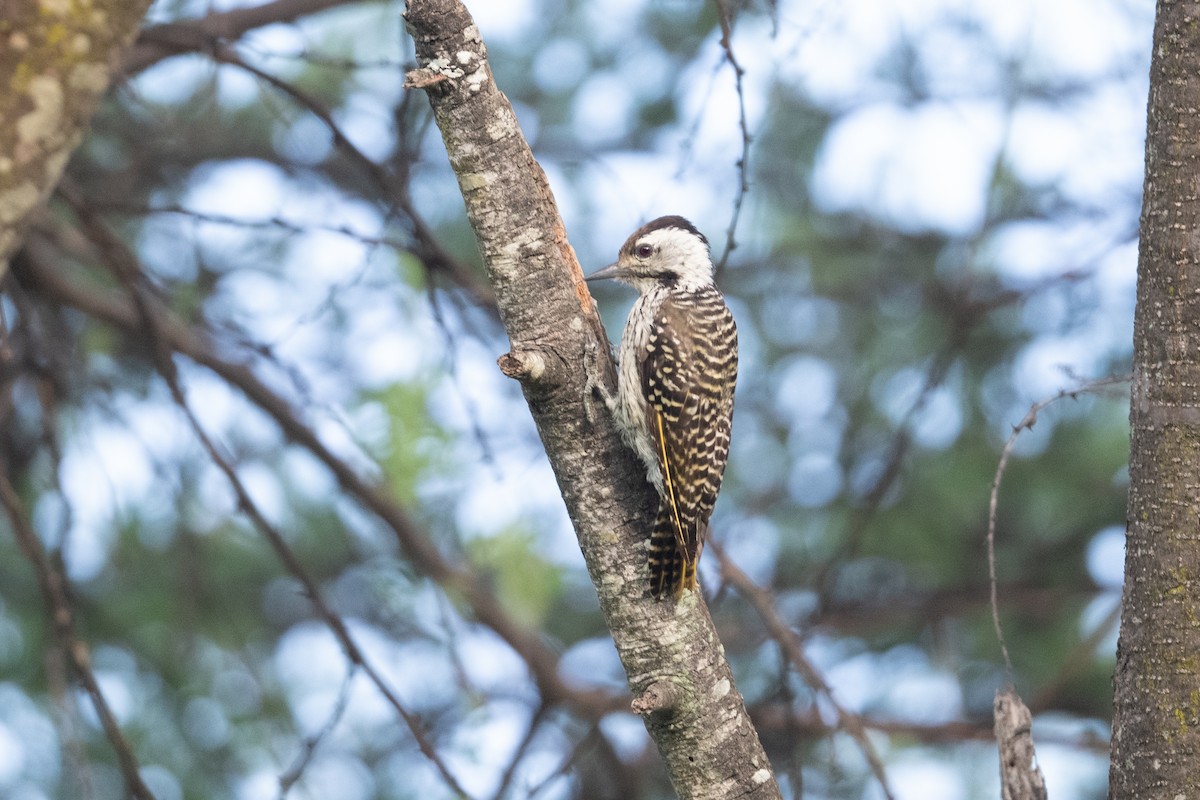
point(644, 251)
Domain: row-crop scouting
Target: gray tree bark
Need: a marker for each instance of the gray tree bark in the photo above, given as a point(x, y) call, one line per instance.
point(1020, 776)
point(1156, 709)
point(680, 680)
point(56, 59)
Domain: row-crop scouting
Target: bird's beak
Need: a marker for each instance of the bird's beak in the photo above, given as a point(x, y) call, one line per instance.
point(611, 271)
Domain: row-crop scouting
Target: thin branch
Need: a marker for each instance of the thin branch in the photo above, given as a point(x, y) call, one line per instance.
point(888, 612)
point(593, 733)
point(794, 762)
point(118, 207)
point(26, 354)
point(897, 450)
point(535, 723)
point(47, 274)
point(726, 20)
point(450, 358)
point(67, 720)
point(966, 314)
point(158, 42)
point(309, 749)
point(125, 268)
point(1027, 422)
point(311, 589)
point(394, 191)
point(781, 719)
point(789, 645)
point(53, 585)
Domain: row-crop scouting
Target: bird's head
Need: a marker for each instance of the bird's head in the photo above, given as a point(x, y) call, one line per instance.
point(668, 251)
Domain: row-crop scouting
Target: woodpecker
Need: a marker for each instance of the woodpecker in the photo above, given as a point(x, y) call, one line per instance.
point(676, 374)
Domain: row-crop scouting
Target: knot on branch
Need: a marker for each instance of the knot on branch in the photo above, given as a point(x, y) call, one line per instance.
point(424, 78)
point(658, 697)
point(444, 72)
point(449, 56)
point(523, 365)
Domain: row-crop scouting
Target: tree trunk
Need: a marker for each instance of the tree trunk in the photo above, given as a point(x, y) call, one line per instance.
point(56, 59)
point(1156, 714)
point(681, 682)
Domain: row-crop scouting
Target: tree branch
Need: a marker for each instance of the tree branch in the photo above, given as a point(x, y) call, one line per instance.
point(158, 42)
point(391, 189)
point(44, 272)
point(704, 734)
point(789, 643)
point(725, 18)
point(53, 584)
point(1027, 422)
point(125, 268)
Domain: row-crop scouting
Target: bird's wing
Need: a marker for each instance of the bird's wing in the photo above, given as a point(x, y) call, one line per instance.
point(688, 376)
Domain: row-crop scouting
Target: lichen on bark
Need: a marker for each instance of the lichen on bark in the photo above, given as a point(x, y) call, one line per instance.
point(56, 59)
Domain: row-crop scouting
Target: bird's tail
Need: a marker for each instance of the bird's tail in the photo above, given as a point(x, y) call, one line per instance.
point(671, 569)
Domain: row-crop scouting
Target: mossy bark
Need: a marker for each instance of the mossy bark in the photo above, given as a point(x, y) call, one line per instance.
point(56, 60)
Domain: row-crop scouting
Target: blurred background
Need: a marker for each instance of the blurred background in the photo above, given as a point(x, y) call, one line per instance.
point(937, 229)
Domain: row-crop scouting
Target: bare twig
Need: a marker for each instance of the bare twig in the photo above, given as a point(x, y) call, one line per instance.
point(199, 35)
point(726, 20)
point(593, 734)
point(535, 723)
point(53, 585)
point(966, 314)
point(276, 222)
point(897, 450)
point(780, 719)
point(331, 619)
point(311, 589)
point(309, 749)
point(125, 268)
point(72, 290)
point(66, 713)
point(1027, 422)
point(790, 645)
point(391, 189)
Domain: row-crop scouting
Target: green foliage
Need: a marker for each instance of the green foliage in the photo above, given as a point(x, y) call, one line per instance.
point(526, 584)
point(412, 446)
